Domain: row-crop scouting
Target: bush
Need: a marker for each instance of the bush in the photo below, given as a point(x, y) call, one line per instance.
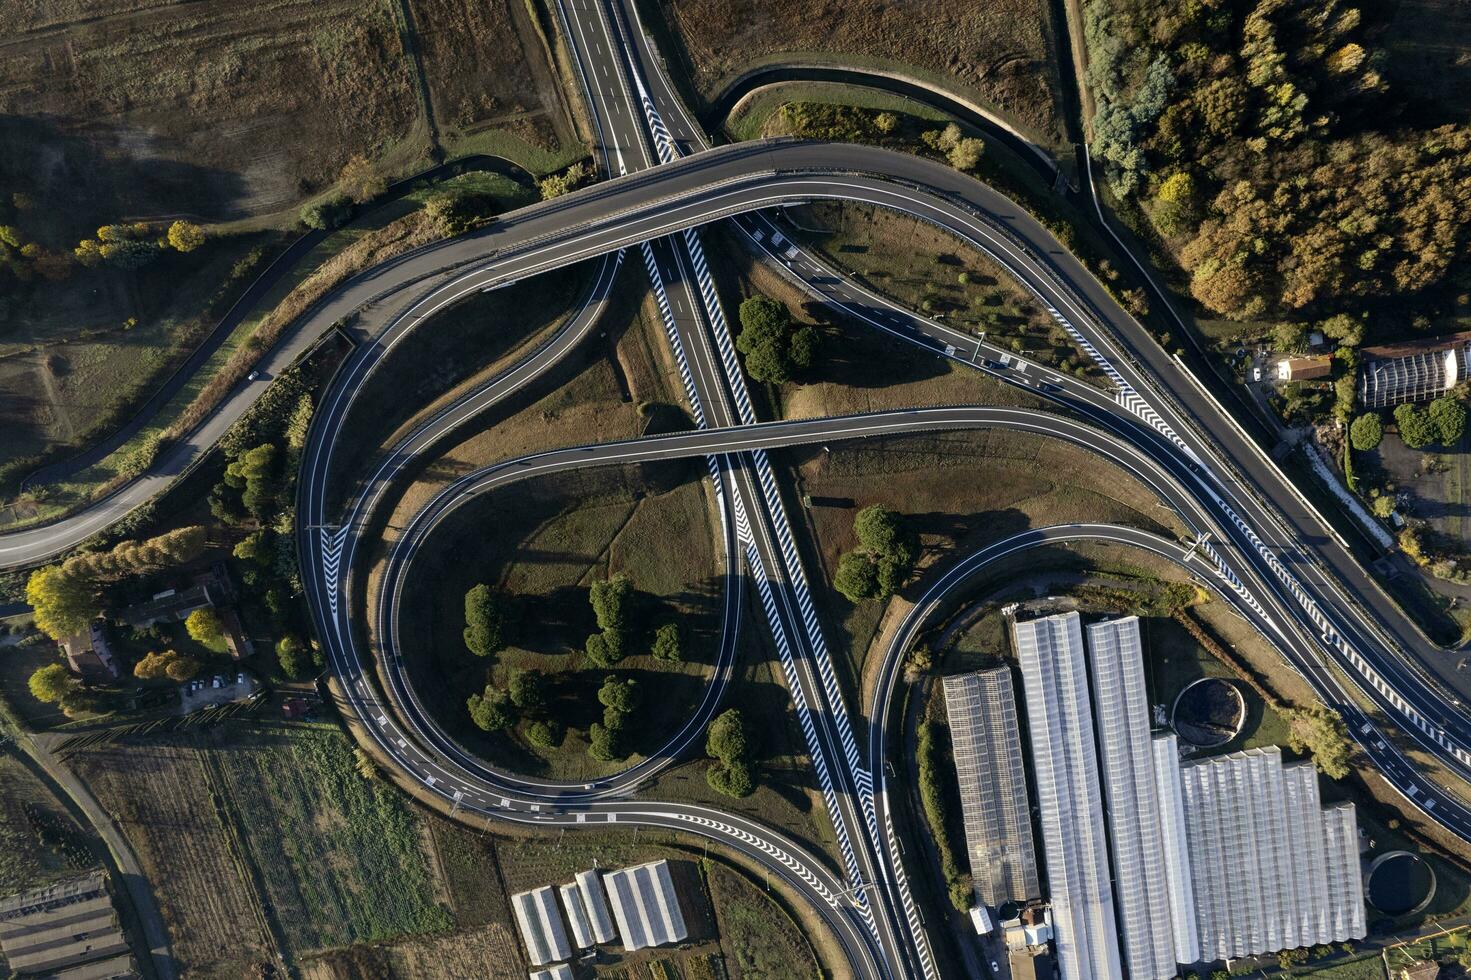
point(856, 577)
point(932, 770)
point(1366, 432)
point(604, 744)
point(291, 654)
point(326, 215)
point(1321, 731)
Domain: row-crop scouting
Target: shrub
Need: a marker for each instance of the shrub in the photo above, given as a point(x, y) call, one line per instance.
point(544, 734)
point(1320, 731)
point(527, 689)
point(327, 214)
point(731, 779)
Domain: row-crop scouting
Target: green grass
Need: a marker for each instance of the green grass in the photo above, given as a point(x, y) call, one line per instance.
point(497, 142)
point(758, 935)
point(1368, 968)
point(341, 856)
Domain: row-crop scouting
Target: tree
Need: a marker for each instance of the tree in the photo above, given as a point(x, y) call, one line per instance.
point(666, 643)
point(1416, 429)
point(64, 603)
point(52, 684)
point(766, 363)
point(1448, 415)
point(484, 621)
point(1366, 432)
point(610, 601)
point(726, 742)
point(620, 695)
point(527, 689)
point(491, 711)
point(879, 531)
point(129, 255)
point(360, 179)
point(1321, 731)
point(886, 122)
point(185, 236)
point(204, 626)
point(1383, 506)
point(326, 214)
point(802, 347)
point(291, 654)
point(726, 737)
point(253, 548)
point(604, 744)
point(545, 734)
point(771, 347)
point(253, 474)
point(1347, 330)
point(731, 779)
point(168, 664)
point(856, 577)
point(602, 651)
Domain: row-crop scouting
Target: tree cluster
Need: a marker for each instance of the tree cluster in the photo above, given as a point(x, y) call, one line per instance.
point(1443, 421)
point(65, 597)
point(555, 185)
point(883, 560)
point(774, 348)
point(166, 664)
point(611, 603)
point(727, 743)
point(132, 246)
point(1257, 134)
point(608, 740)
point(963, 152)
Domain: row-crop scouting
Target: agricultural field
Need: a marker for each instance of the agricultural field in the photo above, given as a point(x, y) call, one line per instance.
point(541, 545)
point(1001, 54)
point(39, 840)
point(957, 492)
point(232, 116)
point(261, 839)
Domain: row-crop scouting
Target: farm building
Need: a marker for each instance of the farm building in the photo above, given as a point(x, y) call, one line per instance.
point(645, 905)
point(595, 904)
point(1304, 368)
point(541, 925)
point(89, 654)
point(981, 708)
point(68, 931)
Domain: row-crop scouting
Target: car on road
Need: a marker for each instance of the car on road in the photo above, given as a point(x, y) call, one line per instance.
point(253, 375)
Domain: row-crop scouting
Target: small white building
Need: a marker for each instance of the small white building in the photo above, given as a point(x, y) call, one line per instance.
point(980, 918)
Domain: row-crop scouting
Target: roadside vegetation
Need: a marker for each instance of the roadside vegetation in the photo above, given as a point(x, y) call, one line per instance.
point(1001, 55)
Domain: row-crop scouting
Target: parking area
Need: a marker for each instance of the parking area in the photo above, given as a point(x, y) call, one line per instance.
point(220, 687)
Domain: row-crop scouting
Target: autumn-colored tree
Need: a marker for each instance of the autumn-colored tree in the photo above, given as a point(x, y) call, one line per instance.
point(63, 602)
point(185, 236)
point(360, 179)
point(204, 626)
point(52, 684)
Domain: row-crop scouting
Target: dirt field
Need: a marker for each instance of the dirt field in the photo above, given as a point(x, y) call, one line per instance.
point(958, 492)
point(1000, 52)
point(39, 841)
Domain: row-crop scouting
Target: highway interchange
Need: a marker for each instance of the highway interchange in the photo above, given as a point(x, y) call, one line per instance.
point(1255, 538)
